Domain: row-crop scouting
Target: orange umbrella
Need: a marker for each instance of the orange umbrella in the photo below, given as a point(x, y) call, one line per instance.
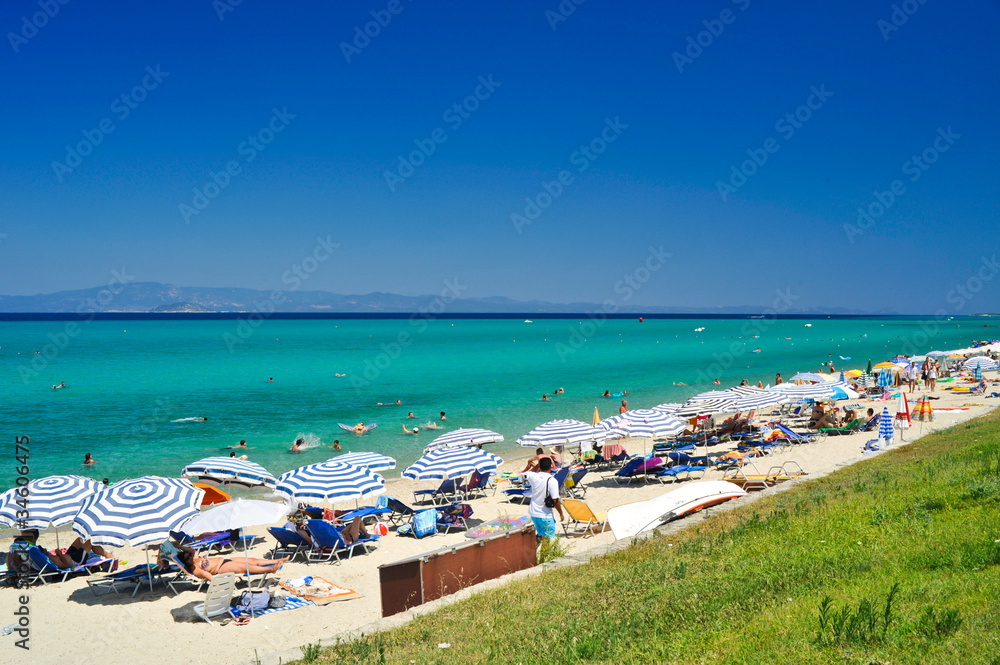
point(213, 495)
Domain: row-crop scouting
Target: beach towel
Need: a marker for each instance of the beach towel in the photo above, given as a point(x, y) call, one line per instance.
point(319, 591)
point(291, 603)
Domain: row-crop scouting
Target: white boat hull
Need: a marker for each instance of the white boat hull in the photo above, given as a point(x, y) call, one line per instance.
point(634, 518)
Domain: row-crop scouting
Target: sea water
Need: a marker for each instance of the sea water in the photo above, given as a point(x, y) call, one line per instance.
point(137, 390)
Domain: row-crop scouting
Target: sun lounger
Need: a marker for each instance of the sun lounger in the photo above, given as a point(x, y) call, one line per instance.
point(574, 484)
point(476, 485)
point(138, 576)
point(218, 597)
point(453, 517)
point(852, 427)
point(793, 436)
point(44, 567)
point(582, 520)
point(446, 492)
point(424, 523)
point(290, 543)
point(183, 577)
point(400, 511)
point(681, 472)
point(329, 543)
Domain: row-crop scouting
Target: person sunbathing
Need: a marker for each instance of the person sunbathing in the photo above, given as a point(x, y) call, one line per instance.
point(205, 567)
point(827, 421)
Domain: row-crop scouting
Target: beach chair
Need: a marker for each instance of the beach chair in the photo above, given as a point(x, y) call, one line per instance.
point(218, 597)
point(424, 523)
point(447, 491)
point(44, 567)
point(852, 427)
point(183, 577)
point(453, 517)
point(328, 542)
point(574, 484)
point(289, 544)
point(582, 520)
point(627, 469)
point(139, 576)
point(476, 485)
point(639, 471)
point(400, 511)
point(793, 436)
point(680, 472)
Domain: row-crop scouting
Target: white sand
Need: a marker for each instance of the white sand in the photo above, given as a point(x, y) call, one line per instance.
point(70, 625)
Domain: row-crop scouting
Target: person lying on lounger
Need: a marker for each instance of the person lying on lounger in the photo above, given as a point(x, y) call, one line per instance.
point(205, 567)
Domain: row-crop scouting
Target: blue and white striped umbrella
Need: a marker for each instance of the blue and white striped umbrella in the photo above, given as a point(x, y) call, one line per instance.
point(565, 432)
point(231, 471)
point(884, 379)
point(53, 500)
point(370, 461)
point(706, 407)
point(469, 436)
point(447, 463)
point(140, 511)
point(885, 431)
point(645, 423)
point(814, 391)
point(979, 373)
point(330, 481)
point(807, 376)
point(668, 407)
point(980, 362)
point(761, 400)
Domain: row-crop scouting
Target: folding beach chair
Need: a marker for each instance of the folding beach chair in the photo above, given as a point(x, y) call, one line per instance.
point(139, 576)
point(424, 523)
point(476, 485)
point(582, 519)
point(328, 542)
point(218, 597)
point(400, 511)
point(680, 472)
point(574, 484)
point(453, 517)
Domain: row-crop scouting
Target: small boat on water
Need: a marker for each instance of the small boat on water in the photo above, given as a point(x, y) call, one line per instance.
point(634, 518)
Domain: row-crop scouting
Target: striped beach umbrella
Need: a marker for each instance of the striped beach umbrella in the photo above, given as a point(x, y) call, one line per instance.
point(565, 432)
point(446, 463)
point(808, 391)
point(140, 511)
point(902, 412)
point(865, 380)
point(807, 376)
point(706, 407)
point(370, 461)
point(668, 407)
point(981, 363)
point(979, 373)
point(761, 400)
point(469, 436)
point(923, 411)
point(885, 431)
point(884, 378)
point(645, 423)
point(53, 500)
point(229, 471)
point(330, 481)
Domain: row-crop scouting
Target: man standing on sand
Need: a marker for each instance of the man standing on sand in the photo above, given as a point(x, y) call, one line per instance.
point(543, 486)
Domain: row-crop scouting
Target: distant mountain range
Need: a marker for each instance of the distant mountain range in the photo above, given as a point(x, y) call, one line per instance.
point(143, 297)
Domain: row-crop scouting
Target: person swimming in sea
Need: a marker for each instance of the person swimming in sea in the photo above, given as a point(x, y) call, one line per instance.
point(88, 460)
point(415, 430)
point(607, 393)
point(242, 445)
point(410, 415)
point(336, 444)
point(545, 398)
point(298, 446)
point(396, 403)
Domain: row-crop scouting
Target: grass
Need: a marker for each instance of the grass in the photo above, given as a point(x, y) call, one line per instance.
point(892, 560)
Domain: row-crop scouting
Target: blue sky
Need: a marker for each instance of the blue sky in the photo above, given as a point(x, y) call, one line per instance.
point(681, 125)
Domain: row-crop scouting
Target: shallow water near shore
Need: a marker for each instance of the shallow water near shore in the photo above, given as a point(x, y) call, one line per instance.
point(127, 382)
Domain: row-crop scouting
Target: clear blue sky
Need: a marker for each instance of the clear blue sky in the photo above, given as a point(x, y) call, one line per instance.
point(656, 184)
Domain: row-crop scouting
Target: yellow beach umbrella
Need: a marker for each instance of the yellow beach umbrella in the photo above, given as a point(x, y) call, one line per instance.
point(597, 418)
point(887, 365)
point(853, 373)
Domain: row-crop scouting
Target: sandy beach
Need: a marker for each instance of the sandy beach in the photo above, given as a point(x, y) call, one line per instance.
point(70, 624)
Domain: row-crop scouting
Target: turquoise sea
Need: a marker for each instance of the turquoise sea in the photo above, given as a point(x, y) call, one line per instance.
point(128, 381)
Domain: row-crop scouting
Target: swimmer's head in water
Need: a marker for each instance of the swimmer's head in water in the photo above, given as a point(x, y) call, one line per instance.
point(416, 429)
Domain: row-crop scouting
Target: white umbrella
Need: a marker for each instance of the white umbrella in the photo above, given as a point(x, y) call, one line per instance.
point(237, 514)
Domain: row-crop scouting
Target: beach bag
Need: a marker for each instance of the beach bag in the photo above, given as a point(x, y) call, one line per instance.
point(549, 501)
point(254, 600)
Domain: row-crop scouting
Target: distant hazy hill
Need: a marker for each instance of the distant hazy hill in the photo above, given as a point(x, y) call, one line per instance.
point(157, 297)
